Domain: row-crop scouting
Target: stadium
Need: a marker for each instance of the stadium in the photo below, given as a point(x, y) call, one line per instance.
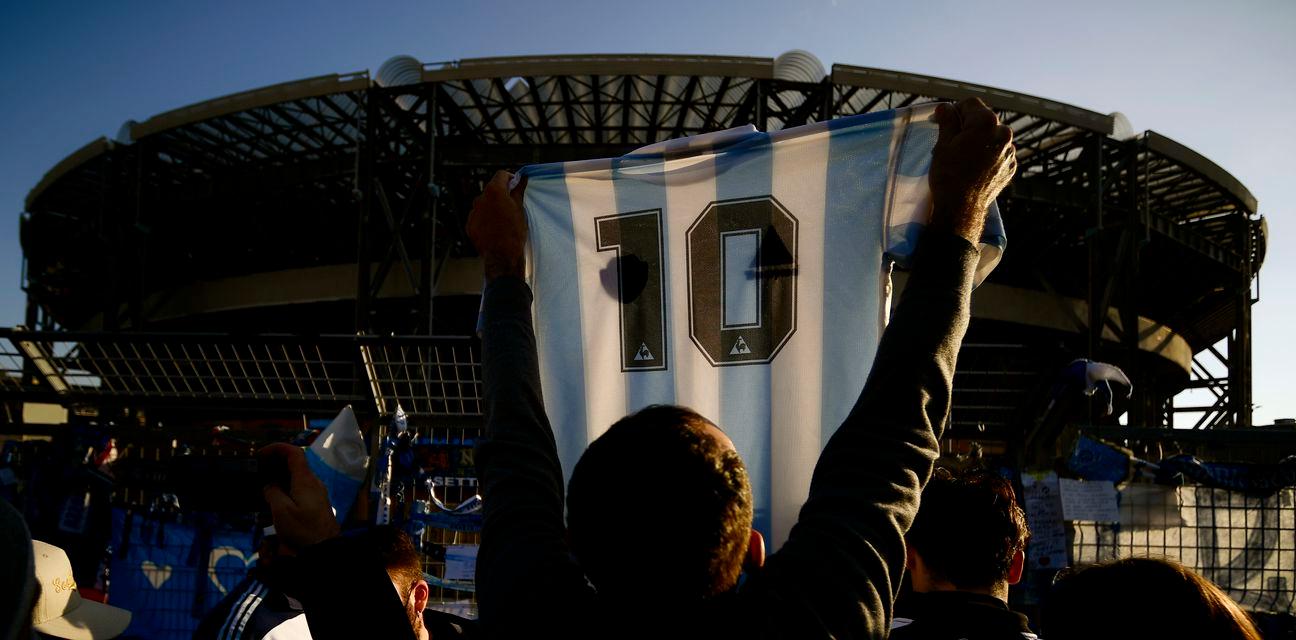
point(272, 255)
point(335, 205)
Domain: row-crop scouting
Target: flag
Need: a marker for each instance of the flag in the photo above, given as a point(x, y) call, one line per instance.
point(740, 273)
point(340, 459)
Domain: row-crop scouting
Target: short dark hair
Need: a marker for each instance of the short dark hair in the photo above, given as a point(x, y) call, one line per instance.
point(399, 557)
point(659, 499)
point(1141, 598)
point(968, 527)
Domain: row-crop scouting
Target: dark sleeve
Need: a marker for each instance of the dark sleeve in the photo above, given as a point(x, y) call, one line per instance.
point(346, 592)
point(525, 573)
point(841, 566)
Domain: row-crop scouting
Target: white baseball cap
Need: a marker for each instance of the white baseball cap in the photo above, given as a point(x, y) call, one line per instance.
point(60, 611)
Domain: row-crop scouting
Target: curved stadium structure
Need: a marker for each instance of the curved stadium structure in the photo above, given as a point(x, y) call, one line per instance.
point(158, 262)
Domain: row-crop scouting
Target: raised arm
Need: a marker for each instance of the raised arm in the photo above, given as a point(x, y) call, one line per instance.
point(524, 570)
point(342, 585)
point(842, 563)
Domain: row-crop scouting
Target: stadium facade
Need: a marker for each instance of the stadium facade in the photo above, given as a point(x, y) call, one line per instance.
point(301, 246)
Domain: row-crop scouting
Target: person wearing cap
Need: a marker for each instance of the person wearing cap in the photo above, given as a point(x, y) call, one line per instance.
point(60, 611)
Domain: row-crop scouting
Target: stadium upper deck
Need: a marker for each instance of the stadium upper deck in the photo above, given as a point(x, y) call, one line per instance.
point(335, 204)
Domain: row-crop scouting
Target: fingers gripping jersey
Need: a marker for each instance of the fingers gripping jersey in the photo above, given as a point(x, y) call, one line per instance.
point(739, 273)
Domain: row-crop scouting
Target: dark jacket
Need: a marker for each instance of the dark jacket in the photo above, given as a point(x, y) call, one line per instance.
point(957, 615)
point(838, 572)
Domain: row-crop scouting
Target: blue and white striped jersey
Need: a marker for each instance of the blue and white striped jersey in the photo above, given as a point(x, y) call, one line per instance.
point(740, 273)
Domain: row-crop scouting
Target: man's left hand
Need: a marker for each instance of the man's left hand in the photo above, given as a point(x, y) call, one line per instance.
point(301, 511)
point(497, 227)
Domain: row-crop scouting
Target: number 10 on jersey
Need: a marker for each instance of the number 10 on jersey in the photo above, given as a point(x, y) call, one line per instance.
point(742, 273)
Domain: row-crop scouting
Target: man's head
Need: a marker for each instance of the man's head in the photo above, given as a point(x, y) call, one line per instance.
point(661, 501)
point(970, 534)
point(405, 568)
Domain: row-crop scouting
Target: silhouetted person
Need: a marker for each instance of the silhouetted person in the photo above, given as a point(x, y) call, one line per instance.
point(405, 568)
point(965, 548)
point(837, 574)
point(18, 587)
point(1139, 598)
point(366, 584)
point(622, 575)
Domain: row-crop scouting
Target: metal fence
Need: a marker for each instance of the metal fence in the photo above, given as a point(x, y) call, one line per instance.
point(437, 541)
point(1246, 544)
point(429, 376)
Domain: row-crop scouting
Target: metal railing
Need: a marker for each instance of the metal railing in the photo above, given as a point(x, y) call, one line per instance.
point(1244, 543)
point(428, 376)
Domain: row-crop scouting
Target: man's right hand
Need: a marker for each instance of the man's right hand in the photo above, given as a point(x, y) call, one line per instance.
point(301, 511)
point(497, 227)
point(973, 160)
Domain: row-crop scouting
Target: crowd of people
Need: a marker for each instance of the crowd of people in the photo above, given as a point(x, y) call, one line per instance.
point(583, 561)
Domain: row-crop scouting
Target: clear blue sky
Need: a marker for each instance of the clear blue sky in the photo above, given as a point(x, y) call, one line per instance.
point(1216, 76)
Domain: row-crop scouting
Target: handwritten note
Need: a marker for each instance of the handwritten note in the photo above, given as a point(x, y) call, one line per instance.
point(1048, 545)
point(1089, 501)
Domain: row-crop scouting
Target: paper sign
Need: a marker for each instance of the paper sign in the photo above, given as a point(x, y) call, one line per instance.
point(461, 562)
point(1089, 501)
point(1048, 546)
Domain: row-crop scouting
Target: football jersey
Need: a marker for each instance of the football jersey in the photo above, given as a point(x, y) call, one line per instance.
point(739, 273)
